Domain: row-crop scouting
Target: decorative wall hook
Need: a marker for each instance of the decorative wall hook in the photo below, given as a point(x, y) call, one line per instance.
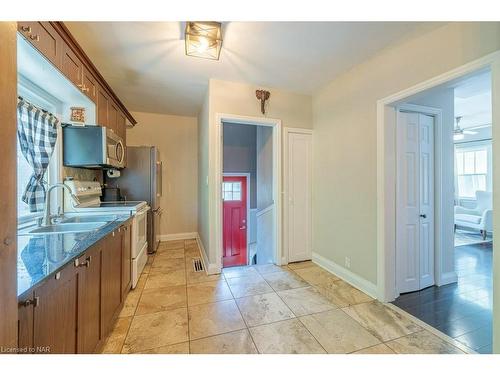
point(262, 95)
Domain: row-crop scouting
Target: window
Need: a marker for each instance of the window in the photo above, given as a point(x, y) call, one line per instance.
point(473, 169)
point(231, 191)
point(43, 100)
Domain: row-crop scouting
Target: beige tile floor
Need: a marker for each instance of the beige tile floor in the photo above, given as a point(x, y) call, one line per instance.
point(299, 308)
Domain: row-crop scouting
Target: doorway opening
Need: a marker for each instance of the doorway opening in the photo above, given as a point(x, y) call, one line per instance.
point(444, 231)
point(250, 213)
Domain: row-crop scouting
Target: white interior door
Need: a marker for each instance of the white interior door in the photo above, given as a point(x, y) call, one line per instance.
point(299, 194)
point(415, 202)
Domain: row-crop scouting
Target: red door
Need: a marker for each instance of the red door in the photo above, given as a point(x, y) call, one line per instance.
point(234, 195)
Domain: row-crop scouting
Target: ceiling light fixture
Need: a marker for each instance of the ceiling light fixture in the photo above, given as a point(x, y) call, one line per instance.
point(203, 39)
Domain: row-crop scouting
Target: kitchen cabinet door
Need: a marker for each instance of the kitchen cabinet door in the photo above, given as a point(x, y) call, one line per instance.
point(25, 324)
point(126, 259)
point(45, 38)
point(89, 85)
point(89, 299)
point(102, 106)
point(113, 116)
point(121, 126)
point(111, 268)
point(8, 206)
point(72, 67)
point(56, 312)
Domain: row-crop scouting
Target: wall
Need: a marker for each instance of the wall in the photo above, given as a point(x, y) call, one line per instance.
point(203, 191)
point(345, 139)
point(294, 110)
point(177, 140)
point(239, 154)
point(264, 167)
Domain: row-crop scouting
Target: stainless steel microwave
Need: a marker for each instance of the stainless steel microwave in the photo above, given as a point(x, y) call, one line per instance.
point(92, 147)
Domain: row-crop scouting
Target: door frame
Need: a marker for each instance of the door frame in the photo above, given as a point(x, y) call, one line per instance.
point(247, 175)
point(386, 173)
point(216, 183)
point(286, 164)
point(439, 222)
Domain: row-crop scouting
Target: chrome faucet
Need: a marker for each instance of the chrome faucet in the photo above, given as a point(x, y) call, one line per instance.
point(46, 214)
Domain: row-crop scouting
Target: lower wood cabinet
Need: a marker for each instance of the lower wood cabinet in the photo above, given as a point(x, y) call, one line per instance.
point(56, 313)
point(111, 292)
point(89, 299)
point(74, 310)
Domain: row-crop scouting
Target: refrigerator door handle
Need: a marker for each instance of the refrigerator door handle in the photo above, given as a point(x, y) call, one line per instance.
point(159, 176)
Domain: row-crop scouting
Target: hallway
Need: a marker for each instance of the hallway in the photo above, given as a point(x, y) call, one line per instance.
point(299, 308)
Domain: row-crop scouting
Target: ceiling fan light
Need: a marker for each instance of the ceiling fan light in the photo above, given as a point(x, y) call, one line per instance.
point(203, 39)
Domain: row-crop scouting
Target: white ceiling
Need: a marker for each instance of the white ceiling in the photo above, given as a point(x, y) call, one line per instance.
point(473, 100)
point(146, 65)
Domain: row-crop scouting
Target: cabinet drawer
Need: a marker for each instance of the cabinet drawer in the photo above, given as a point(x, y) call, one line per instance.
point(45, 38)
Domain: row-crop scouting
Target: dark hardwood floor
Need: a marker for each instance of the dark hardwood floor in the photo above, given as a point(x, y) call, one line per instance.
point(462, 310)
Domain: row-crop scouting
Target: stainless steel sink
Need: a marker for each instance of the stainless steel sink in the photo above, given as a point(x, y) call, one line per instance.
point(66, 228)
point(89, 219)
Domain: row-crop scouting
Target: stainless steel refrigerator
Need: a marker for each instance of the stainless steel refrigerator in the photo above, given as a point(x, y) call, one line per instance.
point(141, 180)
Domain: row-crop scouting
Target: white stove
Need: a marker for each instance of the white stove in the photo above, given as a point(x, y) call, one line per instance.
point(88, 194)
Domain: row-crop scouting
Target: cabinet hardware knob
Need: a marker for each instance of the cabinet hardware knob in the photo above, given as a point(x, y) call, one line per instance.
point(84, 264)
point(36, 38)
point(34, 301)
point(7, 241)
point(423, 216)
point(26, 29)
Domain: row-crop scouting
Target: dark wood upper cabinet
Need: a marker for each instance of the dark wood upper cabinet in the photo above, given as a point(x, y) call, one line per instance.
point(56, 313)
point(111, 291)
point(126, 259)
point(121, 125)
point(72, 66)
point(44, 37)
point(89, 299)
point(89, 87)
point(112, 116)
point(102, 107)
point(58, 46)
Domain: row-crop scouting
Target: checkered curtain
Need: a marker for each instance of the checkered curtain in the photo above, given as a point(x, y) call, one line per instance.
point(37, 132)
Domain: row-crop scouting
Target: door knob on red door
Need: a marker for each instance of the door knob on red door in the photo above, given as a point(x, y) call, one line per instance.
point(243, 227)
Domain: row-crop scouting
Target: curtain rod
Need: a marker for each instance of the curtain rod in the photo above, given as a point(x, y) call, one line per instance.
point(35, 106)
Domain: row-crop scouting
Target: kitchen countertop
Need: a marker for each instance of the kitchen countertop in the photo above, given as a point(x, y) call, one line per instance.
point(40, 256)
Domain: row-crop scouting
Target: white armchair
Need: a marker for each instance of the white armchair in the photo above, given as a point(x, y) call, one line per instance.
point(479, 218)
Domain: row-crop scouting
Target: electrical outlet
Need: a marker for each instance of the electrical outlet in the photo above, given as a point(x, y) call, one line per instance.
point(348, 262)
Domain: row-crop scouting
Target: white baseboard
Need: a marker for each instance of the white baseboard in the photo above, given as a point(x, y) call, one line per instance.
point(447, 278)
point(210, 268)
point(178, 236)
point(348, 276)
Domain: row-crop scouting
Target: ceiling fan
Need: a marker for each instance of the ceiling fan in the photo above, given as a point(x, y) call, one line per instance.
point(458, 132)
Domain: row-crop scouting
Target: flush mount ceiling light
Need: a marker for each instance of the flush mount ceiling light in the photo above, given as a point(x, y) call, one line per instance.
point(203, 39)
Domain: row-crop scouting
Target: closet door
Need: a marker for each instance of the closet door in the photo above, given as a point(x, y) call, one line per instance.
point(415, 202)
point(426, 132)
point(298, 187)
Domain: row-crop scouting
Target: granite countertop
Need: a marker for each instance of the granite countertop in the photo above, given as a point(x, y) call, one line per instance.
point(40, 256)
